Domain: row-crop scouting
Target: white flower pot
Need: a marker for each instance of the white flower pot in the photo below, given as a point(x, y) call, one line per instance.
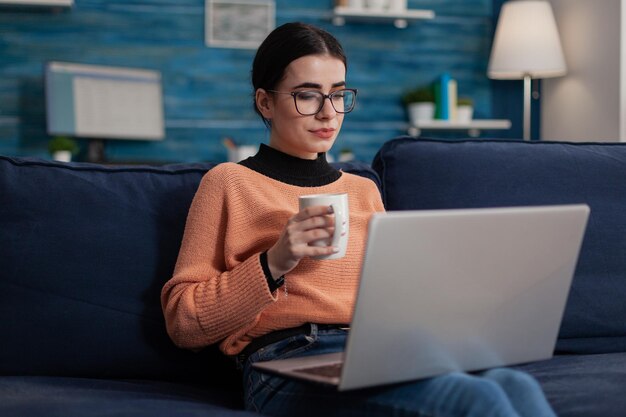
point(62, 156)
point(355, 4)
point(377, 4)
point(464, 114)
point(346, 156)
point(397, 5)
point(241, 152)
point(421, 112)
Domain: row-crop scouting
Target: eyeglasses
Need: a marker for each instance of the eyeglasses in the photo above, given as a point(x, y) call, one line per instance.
point(310, 102)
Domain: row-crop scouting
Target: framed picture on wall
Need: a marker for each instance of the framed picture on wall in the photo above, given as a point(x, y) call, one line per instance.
point(238, 23)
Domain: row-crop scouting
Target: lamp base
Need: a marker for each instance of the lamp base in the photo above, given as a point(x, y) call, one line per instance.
point(527, 85)
point(95, 151)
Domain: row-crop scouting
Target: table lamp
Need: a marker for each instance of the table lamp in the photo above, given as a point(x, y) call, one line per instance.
point(526, 45)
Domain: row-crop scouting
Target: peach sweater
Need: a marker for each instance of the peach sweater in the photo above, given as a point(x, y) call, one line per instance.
point(219, 292)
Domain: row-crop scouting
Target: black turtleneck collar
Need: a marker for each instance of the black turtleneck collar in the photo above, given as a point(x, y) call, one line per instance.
point(292, 170)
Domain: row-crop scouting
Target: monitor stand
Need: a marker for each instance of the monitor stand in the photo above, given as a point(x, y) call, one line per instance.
point(95, 151)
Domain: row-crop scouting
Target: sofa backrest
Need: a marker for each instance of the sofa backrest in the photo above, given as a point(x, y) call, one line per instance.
point(84, 252)
point(431, 174)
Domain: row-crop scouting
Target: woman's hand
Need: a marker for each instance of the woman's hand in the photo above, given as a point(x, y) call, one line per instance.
point(311, 224)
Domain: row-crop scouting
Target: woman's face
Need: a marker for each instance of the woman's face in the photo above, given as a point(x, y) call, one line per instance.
point(291, 132)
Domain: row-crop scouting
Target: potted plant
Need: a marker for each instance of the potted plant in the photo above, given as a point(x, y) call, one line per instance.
point(464, 109)
point(420, 104)
point(62, 148)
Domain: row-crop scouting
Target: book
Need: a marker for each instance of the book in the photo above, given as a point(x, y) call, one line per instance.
point(446, 97)
point(444, 85)
point(445, 88)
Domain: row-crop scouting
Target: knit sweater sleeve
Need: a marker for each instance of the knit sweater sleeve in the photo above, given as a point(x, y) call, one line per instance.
point(204, 302)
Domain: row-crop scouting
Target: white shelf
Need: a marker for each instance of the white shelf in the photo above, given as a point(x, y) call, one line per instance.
point(473, 127)
point(399, 18)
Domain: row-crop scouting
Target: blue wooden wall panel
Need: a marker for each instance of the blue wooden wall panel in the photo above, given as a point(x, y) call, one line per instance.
point(207, 92)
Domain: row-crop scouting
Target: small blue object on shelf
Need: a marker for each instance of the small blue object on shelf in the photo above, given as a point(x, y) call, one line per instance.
point(444, 96)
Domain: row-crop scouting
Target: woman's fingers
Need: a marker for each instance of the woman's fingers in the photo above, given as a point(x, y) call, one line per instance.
point(311, 218)
point(317, 222)
point(322, 250)
point(310, 227)
point(312, 211)
point(308, 249)
point(315, 235)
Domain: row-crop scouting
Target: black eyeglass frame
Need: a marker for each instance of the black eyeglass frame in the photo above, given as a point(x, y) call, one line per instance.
point(324, 97)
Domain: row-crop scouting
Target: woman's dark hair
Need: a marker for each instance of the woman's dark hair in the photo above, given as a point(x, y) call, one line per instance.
point(285, 44)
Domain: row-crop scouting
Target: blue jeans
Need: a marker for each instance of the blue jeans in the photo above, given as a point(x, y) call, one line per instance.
point(494, 393)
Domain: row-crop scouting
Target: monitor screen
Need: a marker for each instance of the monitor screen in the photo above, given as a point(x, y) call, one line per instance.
point(102, 102)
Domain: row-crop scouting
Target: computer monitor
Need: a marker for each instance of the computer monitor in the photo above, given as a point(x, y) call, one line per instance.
point(103, 102)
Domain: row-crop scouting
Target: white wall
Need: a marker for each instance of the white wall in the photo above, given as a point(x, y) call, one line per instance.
point(588, 103)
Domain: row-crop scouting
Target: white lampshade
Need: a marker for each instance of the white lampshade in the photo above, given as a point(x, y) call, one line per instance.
point(526, 42)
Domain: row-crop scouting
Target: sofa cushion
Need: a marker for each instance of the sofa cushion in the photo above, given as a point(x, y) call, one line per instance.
point(359, 168)
point(583, 385)
point(85, 252)
point(431, 174)
point(83, 397)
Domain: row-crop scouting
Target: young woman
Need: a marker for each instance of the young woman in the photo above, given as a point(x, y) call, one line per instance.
point(245, 277)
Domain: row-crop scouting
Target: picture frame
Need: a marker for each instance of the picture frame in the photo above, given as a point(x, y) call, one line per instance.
point(238, 23)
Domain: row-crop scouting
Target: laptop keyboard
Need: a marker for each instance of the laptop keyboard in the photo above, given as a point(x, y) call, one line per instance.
point(332, 370)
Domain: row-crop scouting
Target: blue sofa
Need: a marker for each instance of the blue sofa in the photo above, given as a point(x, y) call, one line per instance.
point(587, 377)
point(85, 250)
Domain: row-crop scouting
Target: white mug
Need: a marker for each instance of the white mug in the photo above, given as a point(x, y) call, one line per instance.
point(339, 203)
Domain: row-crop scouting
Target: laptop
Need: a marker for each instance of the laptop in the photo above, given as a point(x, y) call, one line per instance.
point(453, 290)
